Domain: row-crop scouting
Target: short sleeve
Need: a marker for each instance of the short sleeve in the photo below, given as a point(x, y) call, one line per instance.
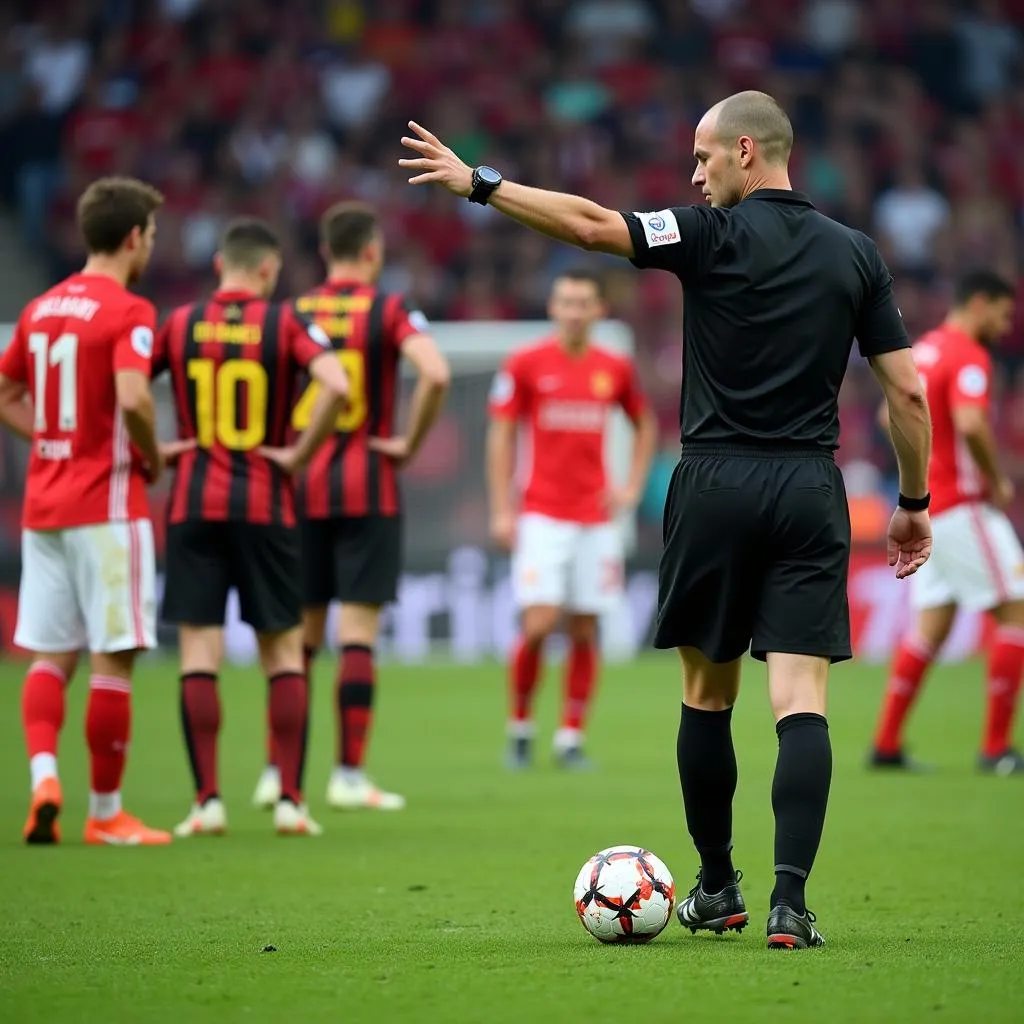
point(507, 398)
point(133, 349)
point(307, 340)
point(403, 321)
point(880, 327)
point(970, 381)
point(682, 239)
point(632, 398)
point(14, 361)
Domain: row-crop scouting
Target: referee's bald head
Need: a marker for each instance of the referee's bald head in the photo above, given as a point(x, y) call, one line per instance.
point(743, 141)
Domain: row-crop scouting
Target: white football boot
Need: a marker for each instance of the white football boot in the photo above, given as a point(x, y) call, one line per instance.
point(350, 790)
point(294, 820)
point(268, 789)
point(209, 819)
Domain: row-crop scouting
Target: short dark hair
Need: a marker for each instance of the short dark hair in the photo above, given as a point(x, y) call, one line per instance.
point(246, 242)
point(111, 208)
point(347, 228)
point(982, 281)
point(761, 117)
point(582, 274)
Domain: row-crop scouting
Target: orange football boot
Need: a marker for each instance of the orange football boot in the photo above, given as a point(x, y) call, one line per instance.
point(42, 828)
point(123, 830)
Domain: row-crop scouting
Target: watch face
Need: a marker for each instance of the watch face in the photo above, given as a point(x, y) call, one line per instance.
point(488, 175)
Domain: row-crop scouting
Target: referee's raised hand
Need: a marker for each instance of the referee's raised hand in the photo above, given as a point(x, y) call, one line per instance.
point(435, 162)
point(909, 541)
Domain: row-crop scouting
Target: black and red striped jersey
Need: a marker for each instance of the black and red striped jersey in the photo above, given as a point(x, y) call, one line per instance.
point(367, 328)
point(235, 362)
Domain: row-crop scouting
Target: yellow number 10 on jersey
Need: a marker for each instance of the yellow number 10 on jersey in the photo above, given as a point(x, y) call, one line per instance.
point(354, 415)
point(216, 408)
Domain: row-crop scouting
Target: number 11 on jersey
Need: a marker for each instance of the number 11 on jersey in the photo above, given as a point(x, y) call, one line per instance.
point(62, 354)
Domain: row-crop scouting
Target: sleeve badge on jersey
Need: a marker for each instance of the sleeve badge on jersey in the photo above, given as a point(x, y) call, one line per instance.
point(660, 228)
point(419, 322)
point(503, 388)
point(142, 341)
point(319, 335)
point(972, 381)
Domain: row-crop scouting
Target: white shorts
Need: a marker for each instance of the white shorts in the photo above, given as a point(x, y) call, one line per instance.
point(568, 565)
point(88, 587)
point(976, 563)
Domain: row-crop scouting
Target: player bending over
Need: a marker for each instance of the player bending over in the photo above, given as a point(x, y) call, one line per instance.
point(349, 497)
point(567, 551)
point(235, 361)
point(75, 383)
point(978, 563)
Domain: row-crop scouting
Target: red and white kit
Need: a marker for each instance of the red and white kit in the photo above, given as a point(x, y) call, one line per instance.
point(977, 561)
point(567, 553)
point(88, 566)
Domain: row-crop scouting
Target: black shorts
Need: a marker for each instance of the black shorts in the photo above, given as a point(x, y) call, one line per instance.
point(757, 553)
point(206, 560)
point(352, 559)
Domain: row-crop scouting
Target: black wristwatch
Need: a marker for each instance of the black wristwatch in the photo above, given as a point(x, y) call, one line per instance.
point(914, 504)
point(484, 181)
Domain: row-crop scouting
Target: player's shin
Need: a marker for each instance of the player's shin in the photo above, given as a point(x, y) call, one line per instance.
point(42, 712)
point(200, 723)
point(107, 731)
point(289, 712)
point(1005, 666)
point(355, 692)
point(909, 666)
point(803, 775)
point(579, 683)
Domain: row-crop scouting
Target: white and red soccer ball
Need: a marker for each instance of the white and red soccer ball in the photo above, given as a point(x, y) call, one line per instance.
point(624, 894)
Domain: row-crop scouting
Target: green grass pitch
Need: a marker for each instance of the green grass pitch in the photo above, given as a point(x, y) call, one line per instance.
point(460, 907)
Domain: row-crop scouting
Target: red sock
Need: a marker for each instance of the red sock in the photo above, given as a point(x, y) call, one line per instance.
point(580, 677)
point(108, 721)
point(524, 671)
point(200, 722)
point(308, 656)
point(355, 704)
point(289, 710)
point(42, 707)
point(905, 676)
point(1005, 664)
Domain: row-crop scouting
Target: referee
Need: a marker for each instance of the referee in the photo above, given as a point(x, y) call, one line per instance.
point(757, 531)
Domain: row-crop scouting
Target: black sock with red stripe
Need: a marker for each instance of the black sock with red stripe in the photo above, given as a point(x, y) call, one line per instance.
point(289, 719)
point(803, 775)
point(200, 722)
point(355, 703)
point(707, 774)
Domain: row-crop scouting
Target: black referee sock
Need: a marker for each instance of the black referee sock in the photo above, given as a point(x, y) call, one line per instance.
point(803, 774)
point(707, 775)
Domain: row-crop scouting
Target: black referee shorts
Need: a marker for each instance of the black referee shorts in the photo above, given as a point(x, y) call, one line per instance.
point(757, 550)
point(352, 559)
point(205, 560)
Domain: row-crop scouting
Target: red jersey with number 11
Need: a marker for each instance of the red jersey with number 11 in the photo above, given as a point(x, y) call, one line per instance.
point(956, 370)
point(67, 348)
point(565, 400)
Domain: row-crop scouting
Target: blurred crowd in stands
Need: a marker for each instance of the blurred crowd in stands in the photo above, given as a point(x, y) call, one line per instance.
point(909, 118)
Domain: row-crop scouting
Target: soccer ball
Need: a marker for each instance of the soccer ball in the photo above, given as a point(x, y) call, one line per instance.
point(624, 894)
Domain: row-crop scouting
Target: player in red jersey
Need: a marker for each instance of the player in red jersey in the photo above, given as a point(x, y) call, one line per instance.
point(349, 497)
point(567, 553)
point(75, 382)
point(977, 563)
point(235, 362)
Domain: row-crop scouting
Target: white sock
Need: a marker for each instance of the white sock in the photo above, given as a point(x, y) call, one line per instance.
point(42, 766)
point(520, 729)
point(272, 772)
point(568, 739)
point(104, 806)
point(351, 776)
